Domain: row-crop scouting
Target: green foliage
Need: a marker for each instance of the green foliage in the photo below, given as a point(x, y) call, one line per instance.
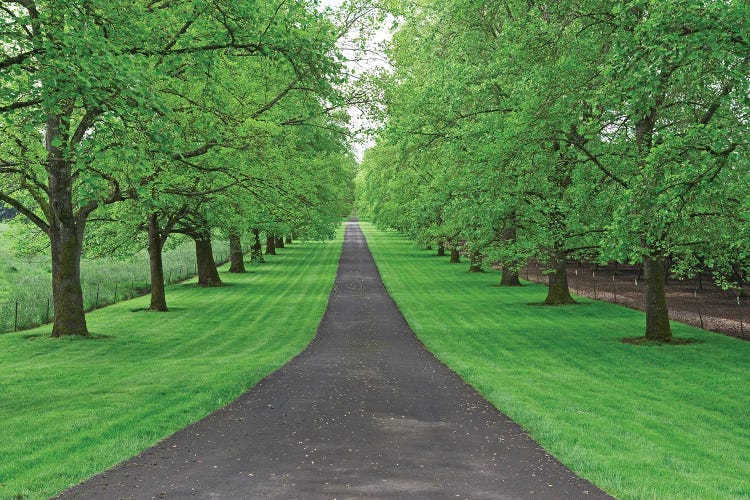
point(576, 129)
point(639, 422)
point(199, 115)
point(75, 407)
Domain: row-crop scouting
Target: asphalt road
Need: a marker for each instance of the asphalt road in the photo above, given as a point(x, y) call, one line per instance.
point(364, 411)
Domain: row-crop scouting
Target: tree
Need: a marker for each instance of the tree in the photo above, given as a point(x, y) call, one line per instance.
point(77, 74)
point(603, 130)
point(669, 126)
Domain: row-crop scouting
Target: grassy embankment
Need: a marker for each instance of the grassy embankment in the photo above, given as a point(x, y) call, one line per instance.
point(640, 422)
point(28, 280)
point(73, 407)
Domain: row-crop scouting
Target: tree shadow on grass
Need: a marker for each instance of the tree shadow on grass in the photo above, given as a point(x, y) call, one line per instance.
point(544, 304)
point(69, 338)
point(149, 310)
point(217, 287)
point(643, 341)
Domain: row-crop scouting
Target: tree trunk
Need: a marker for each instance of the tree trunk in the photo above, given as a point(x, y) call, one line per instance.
point(509, 278)
point(455, 257)
point(155, 246)
point(270, 244)
point(559, 292)
point(236, 257)
point(288, 239)
point(208, 275)
point(66, 239)
point(657, 312)
point(475, 265)
point(441, 249)
point(279, 242)
point(256, 252)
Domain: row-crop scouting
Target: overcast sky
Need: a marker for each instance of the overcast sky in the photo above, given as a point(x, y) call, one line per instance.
point(363, 63)
point(331, 3)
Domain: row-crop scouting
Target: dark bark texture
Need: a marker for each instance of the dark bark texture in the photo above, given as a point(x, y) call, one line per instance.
point(455, 256)
point(256, 251)
point(236, 257)
point(559, 292)
point(156, 266)
point(441, 249)
point(657, 311)
point(475, 265)
point(279, 242)
point(509, 278)
point(270, 245)
point(66, 239)
point(208, 275)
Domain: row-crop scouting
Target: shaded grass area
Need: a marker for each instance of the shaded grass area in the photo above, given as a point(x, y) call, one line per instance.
point(27, 280)
point(70, 408)
point(638, 421)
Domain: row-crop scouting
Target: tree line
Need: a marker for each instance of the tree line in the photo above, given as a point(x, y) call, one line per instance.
point(124, 123)
point(576, 129)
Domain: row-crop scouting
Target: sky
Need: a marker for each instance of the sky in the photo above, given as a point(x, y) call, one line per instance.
point(331, 3)
point(374, 59)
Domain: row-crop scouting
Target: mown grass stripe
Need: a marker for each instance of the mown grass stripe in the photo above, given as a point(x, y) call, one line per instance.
point(640, 422)
point(70, 408)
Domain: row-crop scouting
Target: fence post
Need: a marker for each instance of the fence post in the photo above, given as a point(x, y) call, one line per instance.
point(593, 275)
point(15, 321)
point(698, 303)
point(169, 280)
point(614, 288)
point(739, 312)
point(96, 301)
point(576, 278)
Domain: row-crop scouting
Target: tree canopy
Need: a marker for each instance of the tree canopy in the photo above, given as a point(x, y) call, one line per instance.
point(574, 129)
point(191, 113)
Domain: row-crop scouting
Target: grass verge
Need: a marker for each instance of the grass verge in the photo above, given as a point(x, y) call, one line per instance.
point(638, 421)
point(73, 407)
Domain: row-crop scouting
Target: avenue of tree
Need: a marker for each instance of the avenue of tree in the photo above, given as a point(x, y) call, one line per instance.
point(122, 123)
point(606, 130)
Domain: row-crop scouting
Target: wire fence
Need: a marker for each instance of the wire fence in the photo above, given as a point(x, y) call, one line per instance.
point(33, 305)
point(697, 302)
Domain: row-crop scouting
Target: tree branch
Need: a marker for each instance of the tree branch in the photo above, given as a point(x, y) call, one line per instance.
point(19, 105)
point(23, 209)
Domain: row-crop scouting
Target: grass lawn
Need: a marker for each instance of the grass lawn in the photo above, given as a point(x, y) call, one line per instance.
point(639, 422)
point(73, 407)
